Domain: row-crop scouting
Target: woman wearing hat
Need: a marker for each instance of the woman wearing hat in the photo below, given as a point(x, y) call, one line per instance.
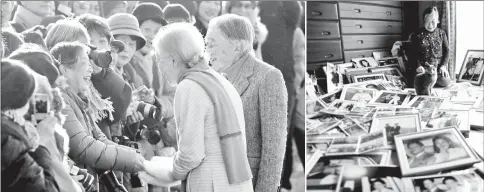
point(209, 116)
point(32, 151)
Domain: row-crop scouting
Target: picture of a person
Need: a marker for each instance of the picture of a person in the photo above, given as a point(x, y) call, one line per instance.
point(395, 100)
point(362, 96)
point(379, 185)
point(419, 156)
point(430, 186)
point(364, 63)
point(446, 150)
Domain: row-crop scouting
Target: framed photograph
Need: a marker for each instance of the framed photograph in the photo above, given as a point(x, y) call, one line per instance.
point(396, 125)
point(459, 182)
point(352, 127)
point(370, 179)
point(369, 77)
point(320, 125)
point(361, 110)
point(380, 157)
point(390, 98)
point(373, 141)
point(450, 118)
point(373, 84)
point(334, 77)
point(343, 146)
point(472, 68)
point(388, 61)
point(364, 62)
point(433, 151)
point(426, 105)
point(362, 95)
point(320, 142)
point(344, 106)
point(331, 96)
point(389, 70)
point(394, 111)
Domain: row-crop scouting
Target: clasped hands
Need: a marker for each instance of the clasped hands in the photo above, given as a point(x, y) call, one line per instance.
point(159, 172)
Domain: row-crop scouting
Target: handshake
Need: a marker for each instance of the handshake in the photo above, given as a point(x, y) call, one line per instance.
point(159, 172)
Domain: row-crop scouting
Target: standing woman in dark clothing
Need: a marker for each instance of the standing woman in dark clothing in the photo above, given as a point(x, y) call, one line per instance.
point(207, 10)
point(29, 161)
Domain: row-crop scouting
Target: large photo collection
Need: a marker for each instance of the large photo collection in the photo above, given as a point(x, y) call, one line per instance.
point(375, 135)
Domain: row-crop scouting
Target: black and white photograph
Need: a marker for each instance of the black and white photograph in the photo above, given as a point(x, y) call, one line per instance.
point(364, 62)
point(334, 77)
point(361, 95)
point(468, 182)
point(370, 179)
point(394, 111)
point(426, 105)
point(472, 68)
point(321, 124)
point(344, 106)
point(361, 110)
point(433, 151)
point(450, 118)
point(140, 96)
point(331, 96)
point(343, 146)
point(390, 98)
point(321, 143)
point(369, 77)
point(352, 127)
point(396, 125)
point(373, 141)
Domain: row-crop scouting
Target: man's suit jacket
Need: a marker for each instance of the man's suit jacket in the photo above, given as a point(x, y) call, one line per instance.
point(422, 160)
point(264, 96)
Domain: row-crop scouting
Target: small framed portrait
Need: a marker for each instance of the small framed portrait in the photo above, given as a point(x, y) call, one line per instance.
point(426, 105)
point(373, 141)
point(390, 98)
point(396, 125)
point(369, 77)
point(433, 151)
point(334, 77)
point(459, 182)
point(370, 179)
point(362, 95)
point(450, 118)
point(479, 104)
point(472, 68)
point(364, 62)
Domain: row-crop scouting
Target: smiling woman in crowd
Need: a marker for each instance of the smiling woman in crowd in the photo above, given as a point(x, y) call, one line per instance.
point(207, 10)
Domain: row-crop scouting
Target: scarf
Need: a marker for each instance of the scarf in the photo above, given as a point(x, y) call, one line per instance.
point(229, 131)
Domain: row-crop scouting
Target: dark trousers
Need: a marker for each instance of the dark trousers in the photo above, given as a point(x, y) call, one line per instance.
point(298, 135)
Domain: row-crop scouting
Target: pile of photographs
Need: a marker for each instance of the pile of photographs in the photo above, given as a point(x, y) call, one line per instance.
point(378, 136)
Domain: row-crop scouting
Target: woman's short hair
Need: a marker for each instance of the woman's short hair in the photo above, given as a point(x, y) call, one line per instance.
point(235, 27)
point(67, 53)
point(66, 31)
point(436, 149)
point(94, 23)
point(18, 84)
point(183, 42)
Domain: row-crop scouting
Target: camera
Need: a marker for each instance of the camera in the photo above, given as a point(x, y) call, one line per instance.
point(152, 135)
point(101, 58)
point(87, 181)
point(148, 110)
point(123, 140)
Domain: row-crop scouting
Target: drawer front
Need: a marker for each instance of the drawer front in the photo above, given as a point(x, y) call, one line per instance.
point(323, 29)
point(324, 50)
point(388, 3)
point(369, 41)
point(360, 53)
point(360, 11)
point(322, 10)
point(371, 27)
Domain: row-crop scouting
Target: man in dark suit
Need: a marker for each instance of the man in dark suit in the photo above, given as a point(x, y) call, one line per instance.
point(420, 157)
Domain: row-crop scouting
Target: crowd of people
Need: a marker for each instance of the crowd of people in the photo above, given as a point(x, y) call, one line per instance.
point(217, 87)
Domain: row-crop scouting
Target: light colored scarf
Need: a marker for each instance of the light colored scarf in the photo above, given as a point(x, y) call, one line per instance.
point(229, 131)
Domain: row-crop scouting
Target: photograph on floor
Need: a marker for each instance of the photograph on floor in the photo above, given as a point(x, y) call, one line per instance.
point(404, 77)
point(153, 96)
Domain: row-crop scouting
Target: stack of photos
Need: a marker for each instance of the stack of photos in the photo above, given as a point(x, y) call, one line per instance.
point(433, 151)
point(361, 95)
point(396, 125)
point(370, 179)
point(358, 144)
point(320, 125)
point(426, 105)
point(442, 118)
point(463, 182)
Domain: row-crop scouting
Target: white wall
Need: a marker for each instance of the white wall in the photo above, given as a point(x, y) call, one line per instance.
point(469, 29)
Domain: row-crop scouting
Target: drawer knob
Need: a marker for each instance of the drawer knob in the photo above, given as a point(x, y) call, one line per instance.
point(328, 56)
point(389, 13)
point(326, 33)
point(359, 26)
point(357, 10)
point(360, 41)
point(316, 13)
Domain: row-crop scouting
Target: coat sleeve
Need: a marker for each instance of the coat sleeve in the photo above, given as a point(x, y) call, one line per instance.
point(273, 112)
point(87, 150)
point(190, 114)
point(445, 50)
point(20, 170)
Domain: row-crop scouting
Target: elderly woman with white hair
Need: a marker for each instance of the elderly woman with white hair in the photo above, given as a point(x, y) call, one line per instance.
point(264, 96)
point(209, 117)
